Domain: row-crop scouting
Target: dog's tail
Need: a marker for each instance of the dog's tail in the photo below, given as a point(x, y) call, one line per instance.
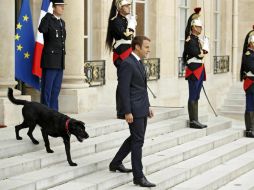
point(13, 100)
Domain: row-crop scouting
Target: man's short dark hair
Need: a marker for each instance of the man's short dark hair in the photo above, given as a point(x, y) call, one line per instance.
point(138, 40)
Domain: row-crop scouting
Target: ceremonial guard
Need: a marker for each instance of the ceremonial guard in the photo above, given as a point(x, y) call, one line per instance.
point(247, 74)
point(53, 54)
point(193, 55)
point(121, 28)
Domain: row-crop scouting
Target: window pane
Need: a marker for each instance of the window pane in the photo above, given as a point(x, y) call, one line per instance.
point(17, 9)
point(140, 11)
point(216, 5)
point(217, 23)
point(183, 22)
point(183, 3)
point(85, 49)
point(86, 16)
point(181, 47)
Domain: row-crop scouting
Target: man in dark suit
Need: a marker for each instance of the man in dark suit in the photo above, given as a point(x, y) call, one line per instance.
point(53, 55)
point(134, 108)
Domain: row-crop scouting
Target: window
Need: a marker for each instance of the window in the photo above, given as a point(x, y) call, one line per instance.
point(139, 9)
point(184, 15)
point(87, 32)
point(17, 9)
point(216, 27)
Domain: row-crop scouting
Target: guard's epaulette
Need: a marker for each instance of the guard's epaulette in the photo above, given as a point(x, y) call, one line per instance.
point(128, 32)
point(247, 53)
point(188, 39)
point(113, 18)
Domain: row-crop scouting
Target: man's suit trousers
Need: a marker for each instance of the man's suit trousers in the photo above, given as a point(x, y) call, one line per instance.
point(133, 144)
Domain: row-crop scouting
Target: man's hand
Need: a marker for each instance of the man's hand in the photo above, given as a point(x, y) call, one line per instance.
point(129, 117)
point(151, 114)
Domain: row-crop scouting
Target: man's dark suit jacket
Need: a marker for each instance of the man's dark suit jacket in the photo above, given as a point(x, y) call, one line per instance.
point(132, 85)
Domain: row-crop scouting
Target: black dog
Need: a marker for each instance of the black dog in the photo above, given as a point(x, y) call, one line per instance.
point(51, 122)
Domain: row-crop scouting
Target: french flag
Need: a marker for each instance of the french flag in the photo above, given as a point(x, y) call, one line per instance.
point(36, 70)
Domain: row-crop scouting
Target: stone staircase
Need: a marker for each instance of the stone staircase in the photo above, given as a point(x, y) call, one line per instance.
point(174, 156)
point(234, 103)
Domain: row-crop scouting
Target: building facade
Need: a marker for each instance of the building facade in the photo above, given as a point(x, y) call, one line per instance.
point(226, 23)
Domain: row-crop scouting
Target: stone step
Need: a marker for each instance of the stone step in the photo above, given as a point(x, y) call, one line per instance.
point(40, 159)
point(236, 95)
point(231, 101)
point(11, 147)
point(234, 104)
point(156, 161)
point(243, 182)
point(238, 115)
point(220, 175)
point(237, 89)
point(178, 173)
point(60, 173)
point(228, 107)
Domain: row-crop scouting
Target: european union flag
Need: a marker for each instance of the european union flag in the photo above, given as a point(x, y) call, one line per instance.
point(24, 47)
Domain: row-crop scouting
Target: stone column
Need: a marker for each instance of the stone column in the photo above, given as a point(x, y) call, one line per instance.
point(75, 95)
point(235, 40)
point(9, 114)
point(7, 48)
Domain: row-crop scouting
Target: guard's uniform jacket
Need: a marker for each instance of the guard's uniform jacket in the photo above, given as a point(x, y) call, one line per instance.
point(122, 36)
point(247, 71)
point(54, 34)
point(195, 66)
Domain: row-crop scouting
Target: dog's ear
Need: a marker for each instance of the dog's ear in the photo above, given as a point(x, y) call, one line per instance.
point(82, 123)
point(79, 123)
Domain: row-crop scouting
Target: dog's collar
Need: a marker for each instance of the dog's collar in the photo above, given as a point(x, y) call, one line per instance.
point(67, 126)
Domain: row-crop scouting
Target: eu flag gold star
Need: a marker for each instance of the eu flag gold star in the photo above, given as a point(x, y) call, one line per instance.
point(25, 18)
point(17, 36)
point(19, 47)
point(27, 55)
point(19, 26)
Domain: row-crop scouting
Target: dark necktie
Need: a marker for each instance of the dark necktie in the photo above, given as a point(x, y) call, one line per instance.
point(143, 68)
point(60, 23)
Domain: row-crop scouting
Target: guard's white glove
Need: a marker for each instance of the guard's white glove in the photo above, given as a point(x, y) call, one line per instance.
point(132, 23)
point(205, 44)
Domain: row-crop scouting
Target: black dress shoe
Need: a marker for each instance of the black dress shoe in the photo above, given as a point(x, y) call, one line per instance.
point(143, 182)
point(120, 168)
point(249, 134)
point(196, 125)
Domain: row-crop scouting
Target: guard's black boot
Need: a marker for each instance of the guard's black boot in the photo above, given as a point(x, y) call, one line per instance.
point(249, 124)
point(196, 108)
point(193, 115)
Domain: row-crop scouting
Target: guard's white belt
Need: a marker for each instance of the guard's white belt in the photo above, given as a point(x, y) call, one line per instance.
point(250, 74)
point(122, 41)
point(194, 60)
